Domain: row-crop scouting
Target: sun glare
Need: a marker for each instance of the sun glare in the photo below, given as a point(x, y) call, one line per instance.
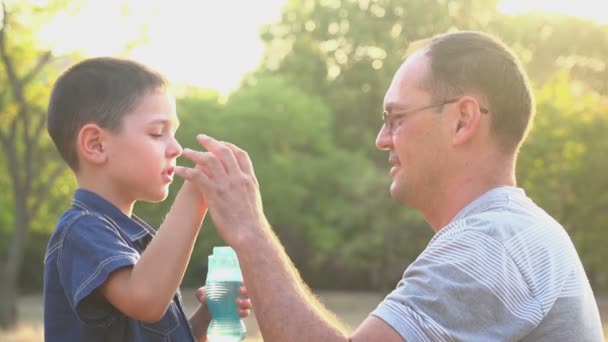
point(590, 9)
point(210, 44)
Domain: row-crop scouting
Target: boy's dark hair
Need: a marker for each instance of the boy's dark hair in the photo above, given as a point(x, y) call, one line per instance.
point(100, 91)
point(469, 61)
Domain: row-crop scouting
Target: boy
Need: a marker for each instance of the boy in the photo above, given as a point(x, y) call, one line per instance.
point(108, 276)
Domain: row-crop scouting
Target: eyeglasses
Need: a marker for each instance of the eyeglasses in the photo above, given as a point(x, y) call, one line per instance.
point(390, 120)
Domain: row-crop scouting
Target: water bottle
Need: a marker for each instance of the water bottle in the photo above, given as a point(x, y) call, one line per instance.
point(221, 290)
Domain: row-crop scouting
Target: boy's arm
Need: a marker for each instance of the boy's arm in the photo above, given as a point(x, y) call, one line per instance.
point(144, 291)
point(199, 321)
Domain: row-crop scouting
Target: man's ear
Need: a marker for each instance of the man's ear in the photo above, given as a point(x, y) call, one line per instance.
point(90, 144)
point(467, 120)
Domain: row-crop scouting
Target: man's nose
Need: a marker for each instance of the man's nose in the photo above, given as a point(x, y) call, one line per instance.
point(384, 140)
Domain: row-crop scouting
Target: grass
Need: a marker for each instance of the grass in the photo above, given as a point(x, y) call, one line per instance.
point(350, 307)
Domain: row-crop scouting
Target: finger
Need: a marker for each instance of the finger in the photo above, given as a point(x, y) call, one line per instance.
point(205, 160)
point(244, 303)
point(200, 295)
point(193, 175)
point(244, 313)
point(242, 158)
point(220, 150)
point(243, 291)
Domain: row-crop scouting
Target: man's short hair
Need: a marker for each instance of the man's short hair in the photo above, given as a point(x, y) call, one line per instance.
point(97, 90)
point(478, 63)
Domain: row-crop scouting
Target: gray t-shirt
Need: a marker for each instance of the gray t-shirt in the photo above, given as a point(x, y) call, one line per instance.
point(502, 270)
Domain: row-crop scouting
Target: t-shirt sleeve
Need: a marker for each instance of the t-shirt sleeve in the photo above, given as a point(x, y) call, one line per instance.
point(92, 248)
point(462, 288)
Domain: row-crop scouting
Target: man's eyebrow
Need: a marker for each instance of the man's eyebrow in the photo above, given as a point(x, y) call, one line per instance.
point(395, 106)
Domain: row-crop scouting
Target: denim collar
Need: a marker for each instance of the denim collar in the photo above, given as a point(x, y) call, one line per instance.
point(133, 227)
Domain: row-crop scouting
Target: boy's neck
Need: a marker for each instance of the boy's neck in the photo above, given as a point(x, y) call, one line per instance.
point(107, 190)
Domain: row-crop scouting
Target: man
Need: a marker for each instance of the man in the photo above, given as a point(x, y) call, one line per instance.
point(498, 268)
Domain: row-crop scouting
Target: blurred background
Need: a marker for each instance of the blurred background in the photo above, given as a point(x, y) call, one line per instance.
point(299, 84)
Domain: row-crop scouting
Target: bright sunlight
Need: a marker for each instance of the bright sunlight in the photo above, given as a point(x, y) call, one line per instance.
point(590, 9)
point(210, 44)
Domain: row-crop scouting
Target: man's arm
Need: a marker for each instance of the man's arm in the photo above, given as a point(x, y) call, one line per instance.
point(285, 308)
point(144, 291)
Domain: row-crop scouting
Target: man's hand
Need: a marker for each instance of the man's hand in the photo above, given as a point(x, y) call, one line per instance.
point(226, 178)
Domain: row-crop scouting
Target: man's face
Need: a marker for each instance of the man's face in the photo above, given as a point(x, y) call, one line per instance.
point(417, 140)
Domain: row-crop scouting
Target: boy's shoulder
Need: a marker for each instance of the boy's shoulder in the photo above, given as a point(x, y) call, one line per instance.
point(91, 218)
point(70, 221)
point(87, 208)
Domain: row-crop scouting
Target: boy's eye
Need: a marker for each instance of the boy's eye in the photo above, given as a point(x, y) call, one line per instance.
point(156, 135)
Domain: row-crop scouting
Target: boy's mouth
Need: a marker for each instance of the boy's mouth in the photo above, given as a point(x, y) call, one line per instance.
point(168, 174)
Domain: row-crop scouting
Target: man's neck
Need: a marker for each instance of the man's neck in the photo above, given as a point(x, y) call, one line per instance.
point(463, 190)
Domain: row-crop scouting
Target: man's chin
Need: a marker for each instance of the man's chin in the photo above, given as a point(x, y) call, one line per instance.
point(395, 191)
point(398, 193)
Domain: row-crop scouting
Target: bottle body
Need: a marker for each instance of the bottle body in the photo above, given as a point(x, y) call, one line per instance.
point(226, 325)
point(221, 291)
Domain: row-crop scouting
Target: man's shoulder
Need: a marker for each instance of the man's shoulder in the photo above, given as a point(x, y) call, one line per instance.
point(504, 222)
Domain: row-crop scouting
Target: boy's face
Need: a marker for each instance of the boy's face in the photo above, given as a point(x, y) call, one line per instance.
point(142, 154)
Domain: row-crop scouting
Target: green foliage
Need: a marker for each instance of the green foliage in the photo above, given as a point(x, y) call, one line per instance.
point(308, 118)
point(31, 173)
point(345, 52)
point(322, 200)
point(562, 166)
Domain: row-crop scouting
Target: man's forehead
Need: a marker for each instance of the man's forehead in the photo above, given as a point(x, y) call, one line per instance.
point(413, 69)
point(407, 80)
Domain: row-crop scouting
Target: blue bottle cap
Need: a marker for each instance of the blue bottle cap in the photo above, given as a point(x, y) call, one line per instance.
point(224, 265)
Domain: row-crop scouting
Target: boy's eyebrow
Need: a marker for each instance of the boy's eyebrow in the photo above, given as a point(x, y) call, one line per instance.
point(164, 122)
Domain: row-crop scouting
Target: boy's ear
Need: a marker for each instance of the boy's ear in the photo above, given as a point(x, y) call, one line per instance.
point(90, 144)
point(467, 120)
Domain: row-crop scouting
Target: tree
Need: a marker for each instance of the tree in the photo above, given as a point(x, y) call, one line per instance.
point(28, 157)
point(346, 51)
point(563, 169)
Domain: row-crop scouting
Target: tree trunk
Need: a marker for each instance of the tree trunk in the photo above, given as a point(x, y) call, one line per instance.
point(9, 270)
point(8, 300)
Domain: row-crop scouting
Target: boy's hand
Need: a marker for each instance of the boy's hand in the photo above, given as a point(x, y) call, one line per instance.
point(243, 302)
point(194, 192)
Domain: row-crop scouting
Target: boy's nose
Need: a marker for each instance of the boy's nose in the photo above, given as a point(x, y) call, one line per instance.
point(175, 150)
